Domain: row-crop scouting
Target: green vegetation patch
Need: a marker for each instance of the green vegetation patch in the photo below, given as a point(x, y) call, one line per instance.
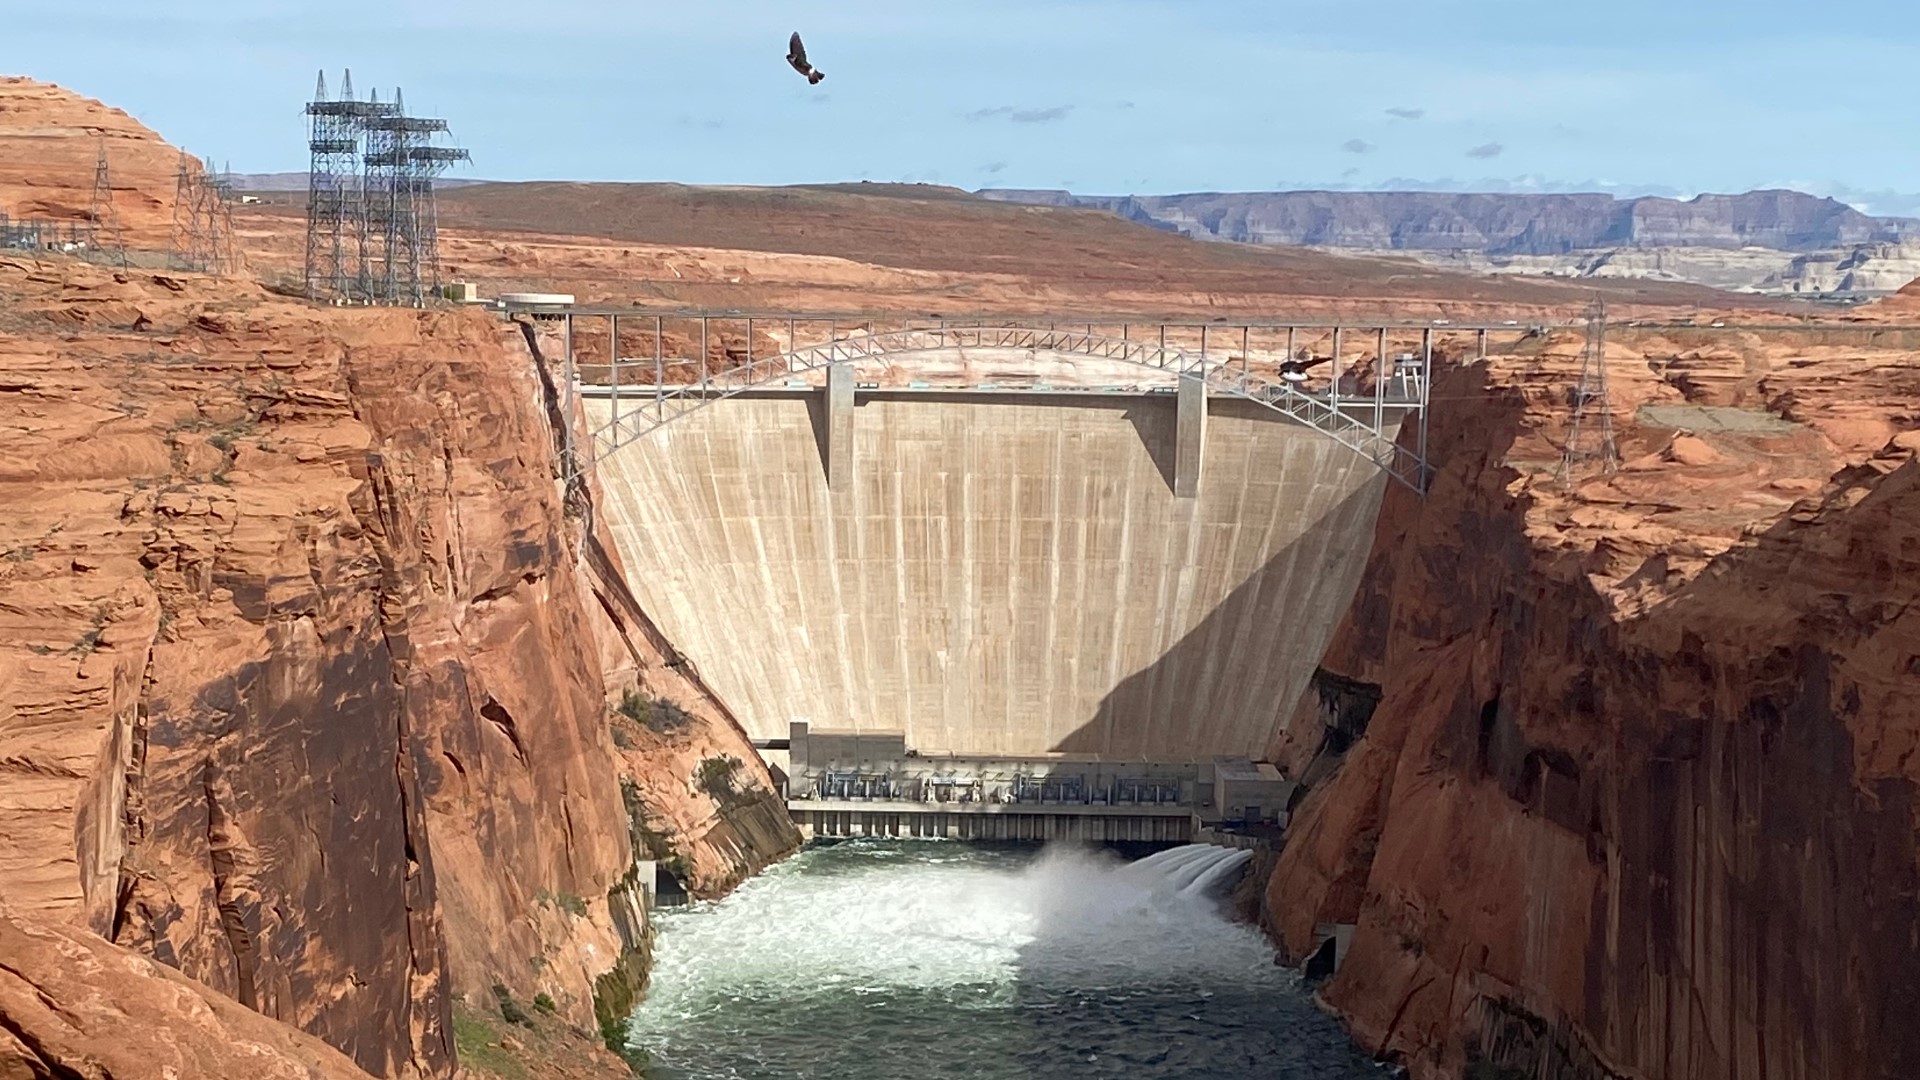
point(716, 777)
point(571, 903)
point(614, 996)
point(656, 714)
point(477, 1044)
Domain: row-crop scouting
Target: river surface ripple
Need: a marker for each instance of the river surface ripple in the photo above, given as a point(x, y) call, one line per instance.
point(926, 960)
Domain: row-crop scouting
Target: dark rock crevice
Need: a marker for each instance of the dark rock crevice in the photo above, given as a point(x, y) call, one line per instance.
point(231, 862)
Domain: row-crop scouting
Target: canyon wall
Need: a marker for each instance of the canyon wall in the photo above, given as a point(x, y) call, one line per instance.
point(302, 665)
point(1620, 779)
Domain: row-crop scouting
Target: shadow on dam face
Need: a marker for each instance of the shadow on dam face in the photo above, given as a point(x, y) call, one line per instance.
point(1226, 675)
point(1005, 574)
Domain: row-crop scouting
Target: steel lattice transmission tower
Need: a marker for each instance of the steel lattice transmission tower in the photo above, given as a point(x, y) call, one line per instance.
point(1590, 438)
point(219, 210)
point(336, 217)
point(183, 238)
point(201, 239)
point(101, 218)
point(402, 163)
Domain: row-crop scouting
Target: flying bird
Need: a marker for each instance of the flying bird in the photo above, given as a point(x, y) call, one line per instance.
point(797, 56)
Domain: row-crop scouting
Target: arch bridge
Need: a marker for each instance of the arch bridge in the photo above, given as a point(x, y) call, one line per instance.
point(1357, 383)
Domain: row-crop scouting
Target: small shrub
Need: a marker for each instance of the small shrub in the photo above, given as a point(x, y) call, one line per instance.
point(677, 865)
point(544, 1002)
point(636, 707)
point(655, 714)
point(613, 1032)
point(510, 1010)
point(566, 901)
point(668, 717)
point(716, 776)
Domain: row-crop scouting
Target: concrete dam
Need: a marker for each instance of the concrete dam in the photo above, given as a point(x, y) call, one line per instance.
point(1009, 575)
point(1061, 604)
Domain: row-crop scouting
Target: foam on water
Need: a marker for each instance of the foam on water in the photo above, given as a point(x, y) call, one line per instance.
point(897, 944)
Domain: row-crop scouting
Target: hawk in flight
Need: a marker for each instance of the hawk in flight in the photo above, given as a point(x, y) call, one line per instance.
point(797, 56)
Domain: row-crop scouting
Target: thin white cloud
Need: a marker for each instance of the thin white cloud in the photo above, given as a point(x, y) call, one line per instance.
point(1022, 116)
point(1487, 150)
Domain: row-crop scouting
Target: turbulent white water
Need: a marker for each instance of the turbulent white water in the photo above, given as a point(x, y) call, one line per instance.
point(892, 959)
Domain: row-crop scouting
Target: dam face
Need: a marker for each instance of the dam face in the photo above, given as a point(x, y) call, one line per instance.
point(1001, 574)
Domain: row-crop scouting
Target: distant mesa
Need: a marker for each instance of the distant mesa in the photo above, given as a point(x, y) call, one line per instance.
point(1496, 224)
point(1763, 241)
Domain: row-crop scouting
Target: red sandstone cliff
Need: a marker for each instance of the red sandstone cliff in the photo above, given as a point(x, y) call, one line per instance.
point(73, 1005)
point(51, 140)
point(299, 696)
point(1631, 787)
point(301, 676)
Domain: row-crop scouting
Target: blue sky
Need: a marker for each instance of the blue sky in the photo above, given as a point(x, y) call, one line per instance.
point(1665, 96)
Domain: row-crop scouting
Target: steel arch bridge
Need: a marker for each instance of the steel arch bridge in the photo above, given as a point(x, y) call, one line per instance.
point(1364, 418)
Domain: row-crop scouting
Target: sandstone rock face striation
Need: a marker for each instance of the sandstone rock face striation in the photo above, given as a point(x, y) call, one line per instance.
point(1620, 779)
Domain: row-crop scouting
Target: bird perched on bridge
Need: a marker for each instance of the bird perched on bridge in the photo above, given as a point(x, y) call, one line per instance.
point(797, 56)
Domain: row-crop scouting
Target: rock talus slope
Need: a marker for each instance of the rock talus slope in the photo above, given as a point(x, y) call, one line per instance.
point(1621, 781)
